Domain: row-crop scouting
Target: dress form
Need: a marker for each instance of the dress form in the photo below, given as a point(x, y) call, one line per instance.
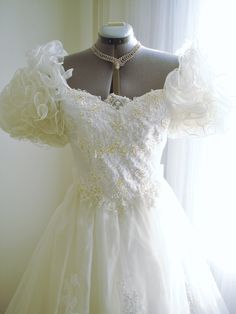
point(116, 36)
point(95, 75)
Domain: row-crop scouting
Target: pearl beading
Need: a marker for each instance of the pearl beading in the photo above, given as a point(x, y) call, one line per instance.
point(119, 193)
point(118, 62)
point(117, 101)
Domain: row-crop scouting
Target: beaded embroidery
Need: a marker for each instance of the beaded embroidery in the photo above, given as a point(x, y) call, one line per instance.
point(118, 191)
point(117, 101)
point(109, 139)
point(116, 148)
point(131, 299)
point(91, 189)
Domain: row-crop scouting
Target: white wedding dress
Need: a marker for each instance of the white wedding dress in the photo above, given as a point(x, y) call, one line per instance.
point(120, 242)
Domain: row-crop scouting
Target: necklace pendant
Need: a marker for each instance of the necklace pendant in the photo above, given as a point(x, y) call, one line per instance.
point(116, 62)
point(117, 65)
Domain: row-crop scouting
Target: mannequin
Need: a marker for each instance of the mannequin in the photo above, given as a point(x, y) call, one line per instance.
point(145, 71)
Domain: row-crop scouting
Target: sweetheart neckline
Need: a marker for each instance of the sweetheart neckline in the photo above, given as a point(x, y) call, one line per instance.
point(124, 109)
point(132, 99)
point(129, 100)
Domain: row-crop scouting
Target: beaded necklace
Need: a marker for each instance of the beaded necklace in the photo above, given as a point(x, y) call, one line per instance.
point(117, 63)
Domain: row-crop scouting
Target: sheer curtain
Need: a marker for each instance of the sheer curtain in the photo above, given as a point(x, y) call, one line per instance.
point(201, 171)
point(213, 208)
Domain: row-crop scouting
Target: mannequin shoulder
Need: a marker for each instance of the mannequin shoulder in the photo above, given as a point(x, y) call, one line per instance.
point(80, 62)
point(159, 59)
point(146, 55)
point(80, 59)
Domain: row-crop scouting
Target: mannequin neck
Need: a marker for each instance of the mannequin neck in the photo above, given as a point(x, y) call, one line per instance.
point(121, 48)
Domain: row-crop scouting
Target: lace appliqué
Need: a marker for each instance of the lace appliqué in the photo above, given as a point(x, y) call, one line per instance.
point(91, 189)
point(131, 299)
point(117, 101)
point(113, 142)
point(70, 292)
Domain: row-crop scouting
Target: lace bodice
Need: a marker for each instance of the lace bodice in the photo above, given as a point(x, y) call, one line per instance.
point(117, 142)
point(118, 148)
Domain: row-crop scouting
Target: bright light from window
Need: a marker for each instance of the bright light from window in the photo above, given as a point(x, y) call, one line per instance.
point(215, 213)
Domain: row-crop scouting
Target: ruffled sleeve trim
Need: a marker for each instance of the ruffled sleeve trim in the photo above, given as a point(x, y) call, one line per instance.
point(193, 96)
point(31, 104)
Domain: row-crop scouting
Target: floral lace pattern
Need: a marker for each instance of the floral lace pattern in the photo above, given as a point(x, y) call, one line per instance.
point(131, 299)
point(70, 294)
point(116, 101)
point(114, 151)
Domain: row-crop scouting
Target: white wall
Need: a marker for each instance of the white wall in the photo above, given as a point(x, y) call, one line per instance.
point(32, 180)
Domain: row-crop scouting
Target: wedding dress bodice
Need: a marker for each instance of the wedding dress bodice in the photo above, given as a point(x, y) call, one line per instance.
point(117, 143)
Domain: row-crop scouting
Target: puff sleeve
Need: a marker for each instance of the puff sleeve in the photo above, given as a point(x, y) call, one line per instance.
point(31, 104)
point(193, 96)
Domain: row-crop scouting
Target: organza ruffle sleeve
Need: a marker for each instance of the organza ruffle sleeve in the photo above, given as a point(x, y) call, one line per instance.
point(193, 96)
point(31, 104)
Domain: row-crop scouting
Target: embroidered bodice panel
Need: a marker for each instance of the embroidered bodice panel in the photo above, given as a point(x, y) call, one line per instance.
point(117, 143)
point(118, 149)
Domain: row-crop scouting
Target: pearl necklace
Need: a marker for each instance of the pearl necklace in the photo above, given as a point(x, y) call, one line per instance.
point(118, 62)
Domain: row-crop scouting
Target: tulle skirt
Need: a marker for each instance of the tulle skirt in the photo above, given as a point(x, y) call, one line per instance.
point(93, 259)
